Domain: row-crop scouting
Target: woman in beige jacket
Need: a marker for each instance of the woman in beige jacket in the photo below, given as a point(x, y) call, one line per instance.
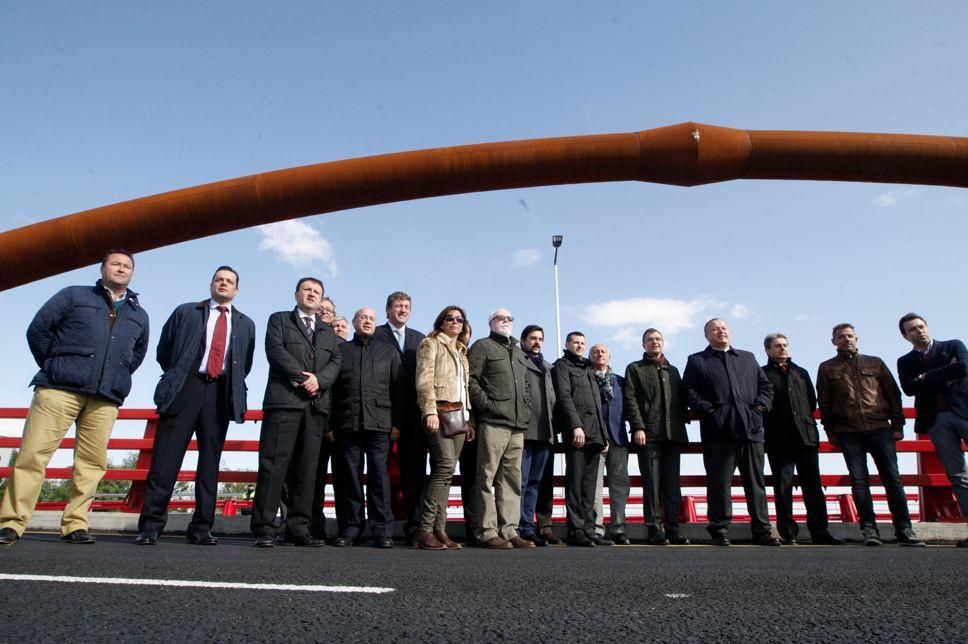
point(442, 377)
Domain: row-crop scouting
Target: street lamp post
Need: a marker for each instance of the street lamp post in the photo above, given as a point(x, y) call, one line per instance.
point(556, 242)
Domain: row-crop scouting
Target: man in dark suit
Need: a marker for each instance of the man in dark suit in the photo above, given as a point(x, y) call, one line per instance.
point(615, 460)
point(304, 361)
point(205, 351)
point(730, 393)
point(412, 448)
point(935, 372)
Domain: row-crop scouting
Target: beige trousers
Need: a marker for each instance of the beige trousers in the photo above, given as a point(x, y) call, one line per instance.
point(499, 467)
point(52, 412)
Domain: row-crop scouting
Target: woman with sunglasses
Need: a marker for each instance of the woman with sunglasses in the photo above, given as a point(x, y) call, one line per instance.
point(442, 384)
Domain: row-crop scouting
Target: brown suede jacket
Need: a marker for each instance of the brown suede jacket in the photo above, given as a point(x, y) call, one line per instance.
point(858, 393)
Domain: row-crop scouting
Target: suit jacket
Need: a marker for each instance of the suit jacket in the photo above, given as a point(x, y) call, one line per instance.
point(290, 353)
point(541, 427)
point(410, 410)
point(724, 388)
point(790, 423)
point(613, 411)
point(942, 377)
point(182, 343)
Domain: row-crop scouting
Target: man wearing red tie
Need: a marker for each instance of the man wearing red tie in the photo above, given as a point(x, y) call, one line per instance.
point(205, 352)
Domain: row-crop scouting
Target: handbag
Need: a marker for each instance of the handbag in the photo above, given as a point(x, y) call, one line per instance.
point(451, 416)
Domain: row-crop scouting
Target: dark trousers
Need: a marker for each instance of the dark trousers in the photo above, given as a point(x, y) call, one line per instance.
point(545, 506)
point(880, 445)
point(659, 466)
point(534, 458)
point(581, 478)
point(289, 437)
point(414, 450)
point(317, 522)
point(470, 500)
point(351, 447)
point(805, 460)
point(721, 460)
point(200, 408)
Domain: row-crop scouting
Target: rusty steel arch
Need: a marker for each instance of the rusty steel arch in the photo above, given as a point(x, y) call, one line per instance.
point(687, 154)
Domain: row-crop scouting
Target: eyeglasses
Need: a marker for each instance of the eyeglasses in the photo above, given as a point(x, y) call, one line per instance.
point(454, 318)
point(503, 318)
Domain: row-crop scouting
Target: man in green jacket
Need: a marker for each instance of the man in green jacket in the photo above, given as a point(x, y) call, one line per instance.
point(502, 408)
point(657, 417)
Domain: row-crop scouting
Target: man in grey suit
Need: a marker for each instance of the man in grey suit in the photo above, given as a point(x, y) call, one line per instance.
point(304, 361)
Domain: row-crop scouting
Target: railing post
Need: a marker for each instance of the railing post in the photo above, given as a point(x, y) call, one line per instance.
point(689, 513)
point(937, 503)
point(848, 511)
point(136, 493)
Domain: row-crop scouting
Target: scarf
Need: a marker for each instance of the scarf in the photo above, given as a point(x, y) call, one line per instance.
point(604, 379)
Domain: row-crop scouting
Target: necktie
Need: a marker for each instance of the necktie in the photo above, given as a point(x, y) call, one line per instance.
point(309, 328)
point(399, 334)
point(216, 353)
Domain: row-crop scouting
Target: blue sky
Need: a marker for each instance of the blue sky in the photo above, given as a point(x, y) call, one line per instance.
point(105, 101)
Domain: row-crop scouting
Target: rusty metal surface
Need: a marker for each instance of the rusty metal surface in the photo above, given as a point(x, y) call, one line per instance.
point(686, 154)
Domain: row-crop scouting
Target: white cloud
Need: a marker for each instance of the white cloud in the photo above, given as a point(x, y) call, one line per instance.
point(631, 316)
point(298, 244)
point(891, 197)
point(525, 257)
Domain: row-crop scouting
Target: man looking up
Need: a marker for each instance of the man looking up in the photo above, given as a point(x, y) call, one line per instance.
point(616, 456)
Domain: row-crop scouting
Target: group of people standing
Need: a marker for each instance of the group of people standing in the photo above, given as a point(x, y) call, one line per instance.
point(495, 407)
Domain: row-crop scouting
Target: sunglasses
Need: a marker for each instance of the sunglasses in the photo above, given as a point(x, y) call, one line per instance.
point(503, 318)
point(454, 318)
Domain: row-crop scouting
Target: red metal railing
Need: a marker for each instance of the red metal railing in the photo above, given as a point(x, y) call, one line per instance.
point(934, 498)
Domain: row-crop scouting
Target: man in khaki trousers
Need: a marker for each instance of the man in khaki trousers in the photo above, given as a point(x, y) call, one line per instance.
point(87, 341)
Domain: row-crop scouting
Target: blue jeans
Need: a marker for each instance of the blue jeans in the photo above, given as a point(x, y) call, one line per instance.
point(880, 445)
point(533, 461)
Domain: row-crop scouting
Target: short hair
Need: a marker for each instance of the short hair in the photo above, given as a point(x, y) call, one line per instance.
point(327, 298)
point(231, 270)
point(117, 251)
point(770, 337)
point(842, 325)
point(573, 333)
point(310, 279)
point(651, 330)
point(531, 328)
point(705, 327)
point(395, 296)
point(340, 317)
point(907, 317)
point(360, 310)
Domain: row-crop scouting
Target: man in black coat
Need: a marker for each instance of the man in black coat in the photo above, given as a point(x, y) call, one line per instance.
point(730, 393)
point(792, 444)
point(205, 351)
point(304, 361)
point(935, 372)
point(579, 418)
point(365, 402)
point(412, 448)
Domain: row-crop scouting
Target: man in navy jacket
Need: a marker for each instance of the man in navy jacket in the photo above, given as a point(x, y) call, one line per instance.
point(205, 351)
point(935, 372)
point(616, 458)
point(87, 342)
point(730, 392)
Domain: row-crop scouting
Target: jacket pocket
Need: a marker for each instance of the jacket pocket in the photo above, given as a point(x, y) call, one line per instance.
point(70, 366)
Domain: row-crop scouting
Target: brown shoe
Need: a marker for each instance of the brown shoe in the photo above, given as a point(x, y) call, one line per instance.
point(551, 538)
point(426, 541)
point(496, 543)
point(442, 537)
point(517, 542)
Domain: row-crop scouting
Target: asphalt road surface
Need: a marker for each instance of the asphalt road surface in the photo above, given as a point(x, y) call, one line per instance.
point(555, 594)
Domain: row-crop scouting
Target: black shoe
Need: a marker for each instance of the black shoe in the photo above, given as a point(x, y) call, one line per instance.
point(580, 539)
point(343, 542)
point(304, 541)
point(826, 539)
point(147, 538)
point(720, 539)
point(535, 539)
point(656, 539)
point(789, 541)
point(383, 542)
point(8, 536)
point(551, 538)
point(675, 539)
point(599, 540)
point(906, 537)
point(80, 537)
point(766, 540)
point(265, 541)
point(962, 544)
point(620, 539)
point(201, 539)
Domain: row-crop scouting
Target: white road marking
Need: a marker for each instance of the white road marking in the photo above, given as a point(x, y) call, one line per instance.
point(185, 583)
point(677, 595)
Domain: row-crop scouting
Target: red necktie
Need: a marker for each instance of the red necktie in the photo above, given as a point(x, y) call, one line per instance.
point(216, 353)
